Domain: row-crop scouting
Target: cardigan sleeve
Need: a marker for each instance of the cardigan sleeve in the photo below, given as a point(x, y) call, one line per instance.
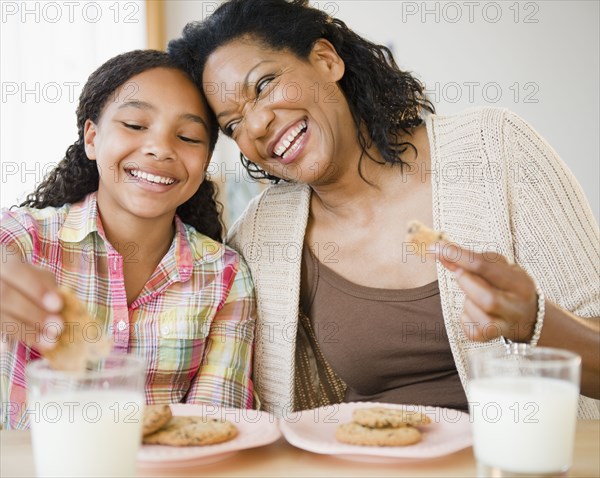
point(555, 234)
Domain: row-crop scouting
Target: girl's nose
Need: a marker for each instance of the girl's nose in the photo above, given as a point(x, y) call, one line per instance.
point(159, 146)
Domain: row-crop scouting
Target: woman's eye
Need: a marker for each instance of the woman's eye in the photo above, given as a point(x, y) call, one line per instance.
point(134, 126)
point(230, 128)
point(262, 84)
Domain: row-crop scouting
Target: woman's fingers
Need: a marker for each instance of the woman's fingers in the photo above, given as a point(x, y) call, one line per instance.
point(491, 266)
point(476, 324)
point(500, 297)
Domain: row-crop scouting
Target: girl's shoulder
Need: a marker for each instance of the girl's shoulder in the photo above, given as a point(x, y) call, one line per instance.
point(29, 217)
point(206, 250)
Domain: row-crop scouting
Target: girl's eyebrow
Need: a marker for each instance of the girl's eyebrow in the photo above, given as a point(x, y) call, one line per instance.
point(144, 105)
point(195, 119)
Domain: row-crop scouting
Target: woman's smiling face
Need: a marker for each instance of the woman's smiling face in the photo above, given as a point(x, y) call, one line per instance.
point(286, 114)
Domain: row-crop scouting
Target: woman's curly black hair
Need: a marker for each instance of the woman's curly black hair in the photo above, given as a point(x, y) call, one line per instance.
point(75, 176)
point(384, 100)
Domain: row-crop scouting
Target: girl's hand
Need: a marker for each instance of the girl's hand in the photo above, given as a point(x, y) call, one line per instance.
point(29, 304)
point(501, 298)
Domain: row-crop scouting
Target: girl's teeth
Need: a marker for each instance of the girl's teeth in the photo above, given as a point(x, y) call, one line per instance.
point(151, 177)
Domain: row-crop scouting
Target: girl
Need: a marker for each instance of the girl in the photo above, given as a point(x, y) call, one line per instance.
point(362, 153)
point(128, 222)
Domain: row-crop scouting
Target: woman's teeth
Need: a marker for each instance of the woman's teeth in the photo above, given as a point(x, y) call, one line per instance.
point(151, 178)
point(284, 149)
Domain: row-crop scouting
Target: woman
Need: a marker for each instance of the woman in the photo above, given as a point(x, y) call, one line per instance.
point(361, 153)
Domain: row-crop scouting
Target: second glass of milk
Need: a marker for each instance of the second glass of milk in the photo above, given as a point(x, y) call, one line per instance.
point(523, 406)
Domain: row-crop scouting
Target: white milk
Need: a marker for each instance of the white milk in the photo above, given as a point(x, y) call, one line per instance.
point(86, 433)
point(524, 424)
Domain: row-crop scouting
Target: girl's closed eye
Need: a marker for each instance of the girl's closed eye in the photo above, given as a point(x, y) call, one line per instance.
point(190, 139)
point(134, 126)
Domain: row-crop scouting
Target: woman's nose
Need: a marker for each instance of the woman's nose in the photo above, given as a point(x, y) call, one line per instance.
point(258, 120)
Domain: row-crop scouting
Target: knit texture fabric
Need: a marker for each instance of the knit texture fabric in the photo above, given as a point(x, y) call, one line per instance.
point(497, 186)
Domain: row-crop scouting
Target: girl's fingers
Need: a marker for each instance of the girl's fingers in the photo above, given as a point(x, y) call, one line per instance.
point(26, 321)
point(34, 283)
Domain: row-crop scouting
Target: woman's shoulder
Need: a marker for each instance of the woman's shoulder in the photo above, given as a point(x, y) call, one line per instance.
point(475, 116)
point(277, 206)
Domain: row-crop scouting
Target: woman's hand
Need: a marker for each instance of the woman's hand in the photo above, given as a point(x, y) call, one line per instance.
point(501, 298)
point(29, 304)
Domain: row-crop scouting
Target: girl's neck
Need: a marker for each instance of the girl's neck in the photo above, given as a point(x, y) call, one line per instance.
point(139, 239)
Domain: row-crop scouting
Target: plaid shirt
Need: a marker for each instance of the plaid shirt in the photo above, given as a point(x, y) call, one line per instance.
point(193, 322)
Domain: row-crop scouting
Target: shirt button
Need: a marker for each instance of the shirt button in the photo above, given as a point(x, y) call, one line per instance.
point(165, 330)
point(121, 326)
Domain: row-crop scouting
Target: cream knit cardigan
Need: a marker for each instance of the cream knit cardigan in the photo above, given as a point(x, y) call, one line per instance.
point(497, 185)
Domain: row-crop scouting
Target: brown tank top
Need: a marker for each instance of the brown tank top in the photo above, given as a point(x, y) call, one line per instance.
point(387, 345)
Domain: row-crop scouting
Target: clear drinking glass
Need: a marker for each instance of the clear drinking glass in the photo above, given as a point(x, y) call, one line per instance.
point(523, 405)
point(86, 423)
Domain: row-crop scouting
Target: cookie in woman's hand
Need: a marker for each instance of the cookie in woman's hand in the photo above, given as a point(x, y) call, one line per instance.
point(422, 236)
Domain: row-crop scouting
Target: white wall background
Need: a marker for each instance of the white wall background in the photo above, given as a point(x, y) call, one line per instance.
point(48, 50)
point(539, 58)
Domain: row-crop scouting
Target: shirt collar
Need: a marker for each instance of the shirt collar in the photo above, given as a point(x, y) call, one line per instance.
point(82, 219)
point(184, 261)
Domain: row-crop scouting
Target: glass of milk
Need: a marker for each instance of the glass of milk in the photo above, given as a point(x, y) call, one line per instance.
point(523, 406)
point(86, 423)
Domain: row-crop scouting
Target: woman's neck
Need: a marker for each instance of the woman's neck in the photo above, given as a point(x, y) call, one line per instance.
point(349, 194)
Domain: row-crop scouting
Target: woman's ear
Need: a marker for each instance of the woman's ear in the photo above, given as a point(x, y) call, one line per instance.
point(325, 56)
point(89, 138)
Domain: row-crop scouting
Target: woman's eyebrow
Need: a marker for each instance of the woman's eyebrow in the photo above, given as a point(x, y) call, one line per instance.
point(244, 86)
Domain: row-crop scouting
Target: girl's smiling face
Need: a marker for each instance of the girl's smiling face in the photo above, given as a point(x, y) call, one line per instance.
point(288, 115)
point(151, 145)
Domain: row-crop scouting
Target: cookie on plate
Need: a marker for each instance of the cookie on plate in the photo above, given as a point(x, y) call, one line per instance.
point(356, 434)
point(379, 417)
point(155, 417)
point(192, 431)
point(422, 236)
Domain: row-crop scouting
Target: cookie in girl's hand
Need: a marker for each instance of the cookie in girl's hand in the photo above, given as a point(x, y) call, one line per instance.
point(82, 341)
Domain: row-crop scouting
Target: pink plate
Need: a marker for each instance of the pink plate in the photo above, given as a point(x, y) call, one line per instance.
point(314, 430)
point(255, 429)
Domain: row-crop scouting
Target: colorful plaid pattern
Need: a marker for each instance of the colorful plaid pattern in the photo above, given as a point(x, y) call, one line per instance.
point(193, 323)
